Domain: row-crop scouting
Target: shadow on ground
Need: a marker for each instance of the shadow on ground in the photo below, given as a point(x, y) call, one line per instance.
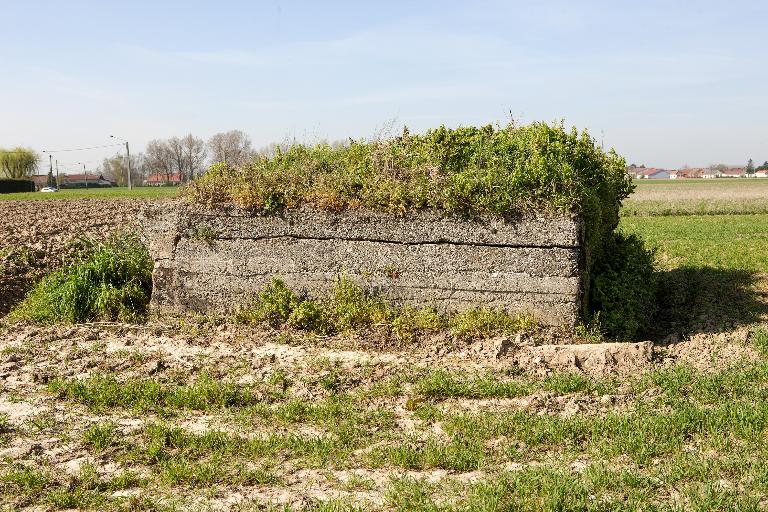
point(695, 300)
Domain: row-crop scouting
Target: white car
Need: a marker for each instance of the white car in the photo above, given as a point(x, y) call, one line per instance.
point(49, 189)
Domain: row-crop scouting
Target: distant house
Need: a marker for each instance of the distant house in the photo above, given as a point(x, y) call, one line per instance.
point(734, 172)
point(652, 173)
point(160, 179)
point(688, 173)
point(84, 181)
point(711, 173)
point(761, 174)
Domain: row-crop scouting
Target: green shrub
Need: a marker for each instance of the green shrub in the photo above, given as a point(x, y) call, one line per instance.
point(110, 281)
point(485, 322)
point(275, 304)
point(348, 306)
point(352, 307)
point(623, 292)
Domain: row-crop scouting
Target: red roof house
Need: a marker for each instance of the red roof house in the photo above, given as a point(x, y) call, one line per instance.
point(158, 179)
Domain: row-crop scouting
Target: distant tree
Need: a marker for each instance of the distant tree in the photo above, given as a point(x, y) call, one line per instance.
point(160, 158)
point(194, 153)
point(185, 156)
point(750, 167)
point(18, 162)
point(115, 169)
point(763, 167)
point(232, 147)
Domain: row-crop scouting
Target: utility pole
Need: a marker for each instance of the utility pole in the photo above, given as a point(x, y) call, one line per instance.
point(50, 170)
point(86, 176)
point(58, 185)
point(128, 153)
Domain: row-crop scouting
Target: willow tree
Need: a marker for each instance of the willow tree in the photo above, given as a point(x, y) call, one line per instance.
point(18, 162)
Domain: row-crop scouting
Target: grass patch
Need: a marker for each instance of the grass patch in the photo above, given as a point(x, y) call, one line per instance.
point(96, 193)
point(99, 437)
point(105, 391)
point(459, 454)
point(24, 486)
point(110, 281)
point(759, 339)
point(442, 384)
point(163, 447)
point(349, 307)
point(728, 242)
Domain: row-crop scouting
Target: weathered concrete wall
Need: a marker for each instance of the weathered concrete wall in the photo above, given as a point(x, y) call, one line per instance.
point(217, 260)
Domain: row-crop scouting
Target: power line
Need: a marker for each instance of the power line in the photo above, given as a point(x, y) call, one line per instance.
point(81, 149)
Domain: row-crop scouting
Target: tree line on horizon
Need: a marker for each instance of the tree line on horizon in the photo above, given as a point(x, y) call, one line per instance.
point(187, 156)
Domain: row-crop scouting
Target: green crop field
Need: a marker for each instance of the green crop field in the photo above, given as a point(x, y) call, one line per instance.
point(96, 193)
point(697, 197)
point(714, 223)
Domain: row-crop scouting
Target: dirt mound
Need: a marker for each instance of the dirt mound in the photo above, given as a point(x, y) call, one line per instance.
point(599, 358)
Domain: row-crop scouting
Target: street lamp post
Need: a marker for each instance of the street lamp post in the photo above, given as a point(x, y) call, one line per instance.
point(128, 155)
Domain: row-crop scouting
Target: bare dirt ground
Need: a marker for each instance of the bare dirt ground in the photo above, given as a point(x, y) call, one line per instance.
point(198, 413)
point(47, 429)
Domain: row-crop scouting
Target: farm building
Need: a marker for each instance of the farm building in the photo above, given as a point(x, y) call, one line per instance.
point(733, 172)
point(161, 179)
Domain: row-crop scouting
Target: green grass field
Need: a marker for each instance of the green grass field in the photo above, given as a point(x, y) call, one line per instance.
point(96, 193)
point(737, 242)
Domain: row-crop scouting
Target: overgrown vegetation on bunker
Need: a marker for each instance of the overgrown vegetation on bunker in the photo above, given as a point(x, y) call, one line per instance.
point(487, 169)
point(109, 281)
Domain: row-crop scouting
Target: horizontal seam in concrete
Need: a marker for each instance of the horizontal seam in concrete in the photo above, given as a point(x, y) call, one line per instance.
point(382, 241)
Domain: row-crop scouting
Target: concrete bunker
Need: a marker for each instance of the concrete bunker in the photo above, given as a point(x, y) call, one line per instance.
point(217, 259)
point(513, 218)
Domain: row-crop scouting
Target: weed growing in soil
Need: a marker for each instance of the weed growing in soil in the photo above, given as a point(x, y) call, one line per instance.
point(112, 281)
point(349, 307)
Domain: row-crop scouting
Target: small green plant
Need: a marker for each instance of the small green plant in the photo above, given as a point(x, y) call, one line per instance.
point(275, 304)
point(591, 331)
point(484, 322)
point(112, 281)
point(100, 436)
point(205, 234)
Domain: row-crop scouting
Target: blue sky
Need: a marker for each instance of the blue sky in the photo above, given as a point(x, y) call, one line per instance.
point(665, 83)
